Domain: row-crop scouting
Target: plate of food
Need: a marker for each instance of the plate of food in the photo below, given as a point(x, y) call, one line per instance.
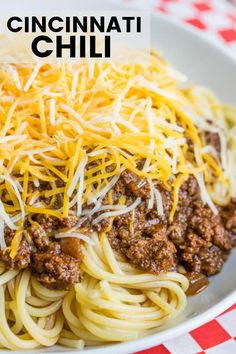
point(117, 196)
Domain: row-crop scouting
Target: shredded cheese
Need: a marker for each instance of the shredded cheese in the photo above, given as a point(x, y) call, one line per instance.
point(2, 239)
point(152, 194)
point(52, 111)
point(75, 128)
point(160, 208)
point(5, 217)
point(209, 149)
point(32, 77)
point(204, 194)
point(78, 175)
point(118, 212)
point(77, 235)
point(176, 184)
point(15, 243)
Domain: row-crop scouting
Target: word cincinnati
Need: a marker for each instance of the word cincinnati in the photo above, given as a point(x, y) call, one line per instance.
point(78, 43)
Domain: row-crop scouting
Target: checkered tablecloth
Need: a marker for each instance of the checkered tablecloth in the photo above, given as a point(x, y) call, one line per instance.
point(217, 18)
point(215, 337)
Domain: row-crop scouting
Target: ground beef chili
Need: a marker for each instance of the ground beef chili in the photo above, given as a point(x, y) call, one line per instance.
point(54, 263)
point(213, 139)
point(199, 235)
point(196, 238)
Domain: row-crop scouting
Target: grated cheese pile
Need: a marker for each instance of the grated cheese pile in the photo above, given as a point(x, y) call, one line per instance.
point(55, 121)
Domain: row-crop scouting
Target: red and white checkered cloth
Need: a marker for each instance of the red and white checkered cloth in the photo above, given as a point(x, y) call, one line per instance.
point(215, 337)
point(217, 18)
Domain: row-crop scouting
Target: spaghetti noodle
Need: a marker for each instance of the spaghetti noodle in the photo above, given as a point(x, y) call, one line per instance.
point(109, 154)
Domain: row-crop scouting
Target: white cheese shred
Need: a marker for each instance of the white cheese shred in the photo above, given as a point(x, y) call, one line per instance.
point(74, 234)
point(160, 209)
point(204, 194)
point(16, 189)
point(32, 77)
point(52, 110)
point(2, 238)
point(110, 184)
point(117, 212)
point(6, 218)
point(78, 173)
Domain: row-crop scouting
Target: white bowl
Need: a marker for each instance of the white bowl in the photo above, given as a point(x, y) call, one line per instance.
point(204, 63)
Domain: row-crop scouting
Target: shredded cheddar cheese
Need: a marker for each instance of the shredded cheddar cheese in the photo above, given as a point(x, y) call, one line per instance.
point(83, 127)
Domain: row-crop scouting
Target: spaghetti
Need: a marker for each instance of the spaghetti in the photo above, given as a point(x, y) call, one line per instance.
point(96, 162)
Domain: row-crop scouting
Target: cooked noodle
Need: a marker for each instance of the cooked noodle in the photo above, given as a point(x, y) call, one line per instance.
point(114, 301)
point(112, 295)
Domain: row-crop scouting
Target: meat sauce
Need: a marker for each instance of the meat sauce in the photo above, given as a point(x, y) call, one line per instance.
point(196, 238)
point(197, 283)
point(55, 264)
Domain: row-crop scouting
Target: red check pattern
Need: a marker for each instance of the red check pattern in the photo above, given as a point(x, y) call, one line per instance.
point(214, 337)
point(217, 18)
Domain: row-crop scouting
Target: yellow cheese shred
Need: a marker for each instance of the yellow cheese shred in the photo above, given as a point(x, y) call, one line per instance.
point(176, 185)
